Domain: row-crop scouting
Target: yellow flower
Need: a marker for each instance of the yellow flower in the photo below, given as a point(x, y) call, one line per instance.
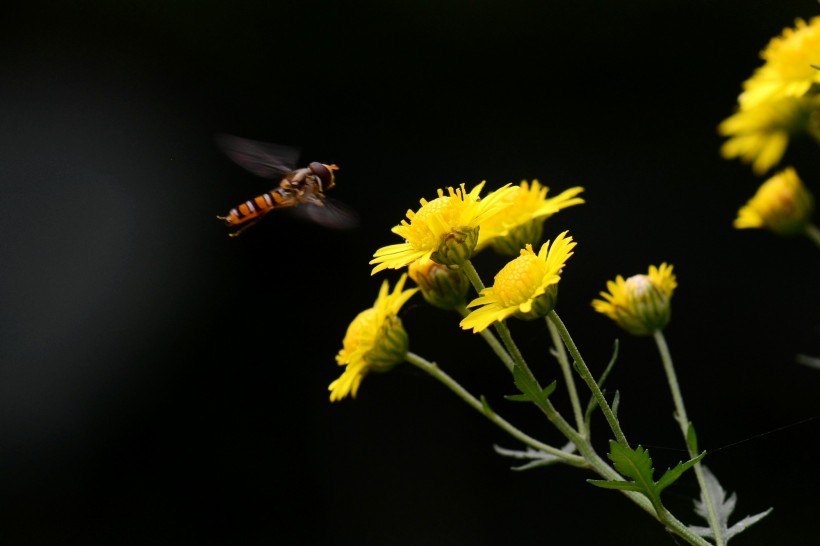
point(375, 341)
point(441, 286)
point(640, 304)
point(782, 204)
point(779, 101)
point(526, 287)
point(760, 134)
point(788, 70)
point(445, 229)
point(523, 221)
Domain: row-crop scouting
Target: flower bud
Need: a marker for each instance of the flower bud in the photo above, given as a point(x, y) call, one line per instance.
point(641, 304)
point(782, 205)
point(456, 246)
point(518, 237)
point(441, 286)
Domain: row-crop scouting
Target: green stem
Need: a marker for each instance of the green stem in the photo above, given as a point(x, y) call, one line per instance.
point(569, 378)
point(492, 341)
point(813, 233)
point(506, 338)
point(588, 458)
point(582, 443)
point(501, 327)
point(683, 423)
point(585, 374)
point(433, 369)
point(472, 274)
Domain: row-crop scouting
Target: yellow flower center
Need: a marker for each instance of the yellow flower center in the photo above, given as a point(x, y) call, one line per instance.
point(418, 233)
point(361, 330)
point(519, 279)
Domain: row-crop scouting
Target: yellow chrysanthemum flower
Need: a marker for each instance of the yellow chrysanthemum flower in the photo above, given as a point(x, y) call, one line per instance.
point(788, 70)
point(523, 221)
point(782, 204)
point(526, 287)
point(779, 101)
point(759, 135)
point(375, 341)
point(445, 229)
point(640, 304)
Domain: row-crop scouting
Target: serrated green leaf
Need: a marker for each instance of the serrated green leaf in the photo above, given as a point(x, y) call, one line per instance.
point(670, 476)
point(637, 465)
point(633, 463)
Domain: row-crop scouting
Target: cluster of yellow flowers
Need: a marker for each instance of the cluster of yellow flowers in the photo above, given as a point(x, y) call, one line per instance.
point(780, 100)
point(443, 235)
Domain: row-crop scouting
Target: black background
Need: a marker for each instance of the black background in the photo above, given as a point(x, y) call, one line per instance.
point(161, 383)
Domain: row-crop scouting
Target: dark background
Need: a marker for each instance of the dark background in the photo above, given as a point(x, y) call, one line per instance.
point(161, 383)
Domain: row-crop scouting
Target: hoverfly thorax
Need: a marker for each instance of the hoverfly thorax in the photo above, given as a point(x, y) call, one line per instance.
point(325, 174)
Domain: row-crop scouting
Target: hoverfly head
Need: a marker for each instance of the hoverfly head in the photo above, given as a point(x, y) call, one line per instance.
point(324, 173)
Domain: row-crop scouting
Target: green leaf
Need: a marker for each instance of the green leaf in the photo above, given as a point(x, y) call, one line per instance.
point(530, 390)
point(620, 485)
point(671, 476)
point(633, 463)
point(637, 465)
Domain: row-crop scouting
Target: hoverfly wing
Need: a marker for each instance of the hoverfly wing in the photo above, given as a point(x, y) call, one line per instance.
point(263, 159)
point(330, 213)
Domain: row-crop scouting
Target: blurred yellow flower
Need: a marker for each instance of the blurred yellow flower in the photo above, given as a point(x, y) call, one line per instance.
point(779, 101)
point(640, 304)
point(759, 135)
point(788, 70)
point(445, 229)
point(522, 222)
point(782, 204)
point(375, 341)
point(526, 287)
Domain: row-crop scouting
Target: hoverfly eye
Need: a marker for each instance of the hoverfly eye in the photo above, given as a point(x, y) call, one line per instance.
point(324, 173)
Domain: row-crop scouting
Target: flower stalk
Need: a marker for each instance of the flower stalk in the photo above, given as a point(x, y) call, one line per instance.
point(493, 342)
point(434, 370)
point(684, 424)
point(586, 375)
point(569, 377)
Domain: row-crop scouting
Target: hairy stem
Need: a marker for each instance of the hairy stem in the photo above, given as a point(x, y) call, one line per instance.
point(586, 375)
point(683, 422)
point(493, 342)
point(433, 369)
point(569, 377)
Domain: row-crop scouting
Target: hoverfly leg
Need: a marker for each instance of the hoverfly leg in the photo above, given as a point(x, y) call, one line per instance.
point(243, 228)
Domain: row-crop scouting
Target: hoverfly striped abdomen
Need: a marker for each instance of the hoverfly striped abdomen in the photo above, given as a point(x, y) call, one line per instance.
point(259, 205)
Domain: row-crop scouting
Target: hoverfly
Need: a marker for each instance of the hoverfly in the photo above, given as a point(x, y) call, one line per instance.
point(303, 189)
